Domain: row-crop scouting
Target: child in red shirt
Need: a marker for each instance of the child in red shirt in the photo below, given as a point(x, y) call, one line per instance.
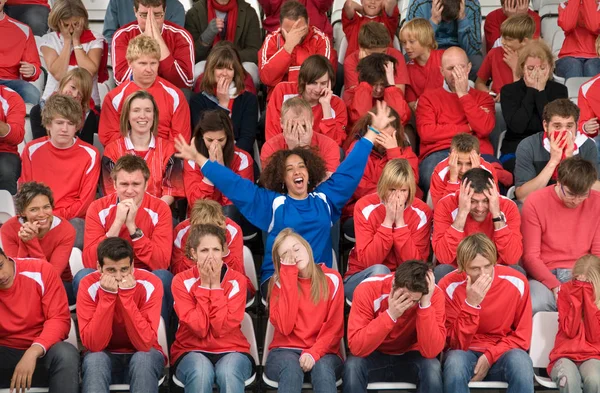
point(494, 20)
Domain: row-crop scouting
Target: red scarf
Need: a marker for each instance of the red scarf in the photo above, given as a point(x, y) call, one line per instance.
point(232, 14)
point(86, 37)
point(559, 134)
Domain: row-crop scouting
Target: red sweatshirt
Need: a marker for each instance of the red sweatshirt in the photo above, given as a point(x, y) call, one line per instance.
point(316, 329)
point(19, 47)
point(333, 127)
point(125, 321)
point(152, 251)
point(39, 2)
point(424, 77)
point(55, 247)
point(71, 173)
point(352, 26)
point(177, 68)
point(441, 115)
point(500, 323)
point(588, 101)
point(328, 150)
point(440, 184)
point(371, 328)
point(359, 104)
point(578, 336)
point(174, 112)
point(12, 112)
point(494, 68)
point(555, 236)
point(34, 309)
point(316, 9)
point(196, 187)
point(209, 319)
point(494, 20)
point(379, 244)
point(445, 240)
point(580, 23)
point(165, 178)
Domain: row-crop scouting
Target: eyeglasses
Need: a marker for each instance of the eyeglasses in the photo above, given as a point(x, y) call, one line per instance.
point(144, 15)
point(569, 195)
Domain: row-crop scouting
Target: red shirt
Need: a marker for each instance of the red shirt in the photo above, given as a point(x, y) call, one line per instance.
point(34, 309)
point(441, 115)
point(328, 150)
point(334, 127)
point(494, 20)
point(580, 22)
point(500, 323)
point(55, 246)
point(359, 104)
point(71, 173)
point(445, 240)
point(12, 112)
point(316, 9)
point(424, 77)
point(17, 2)
point(173, 115)
point(177, 68)
point(588, 101)
point(494, 68)
point(379, 244)
point(152, 251)
point(125, 321)
point(209, 319)
point(315, 329)
point(20, 46)
point(352, 26)
point(371, 328)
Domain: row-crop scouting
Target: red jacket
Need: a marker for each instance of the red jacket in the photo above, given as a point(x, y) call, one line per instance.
point(197, 188)
point(12, 112)
point(378, 244)
point(581, 24)
point(588, 101)
point(40, 2)
point(494, 68)
point(209, 319)
point(177, 68)
point(55, 247)
point(359, 103)
point(371, 328)
point(71, 173)
point(125, 321)
point(316, 329)
point(424, 77)
point(441, 115)
point(316, 9)
point(500, 323)
point(333, 127)
point(174, 112)
point(494, 20)
point(352, 26)
point(34, 309)
point(445, 240)
point(578, 336)
point(166, 175)
point(152, 251)
point(19, 46)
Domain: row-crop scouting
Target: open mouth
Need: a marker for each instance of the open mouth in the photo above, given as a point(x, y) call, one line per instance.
point(42, 222)
point(299, 181)
point(142, 123)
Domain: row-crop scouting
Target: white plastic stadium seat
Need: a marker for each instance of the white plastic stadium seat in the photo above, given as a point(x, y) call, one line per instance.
point(549, 24)
point(488, 6)
point(543, 333)
point(250, 271)
point(76, 261)
point(573, 85)
point(557, 41)
point(187, 4)
point(7, 206)
point(96, 9)
point(500, 140)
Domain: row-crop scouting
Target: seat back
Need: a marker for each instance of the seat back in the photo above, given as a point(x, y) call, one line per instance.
point(76, 261)
point(96, 9)
point(7, 206)
point(574, 84)
point(248, 332)
point(162, 338)
point(249, 268)
point(543, 334)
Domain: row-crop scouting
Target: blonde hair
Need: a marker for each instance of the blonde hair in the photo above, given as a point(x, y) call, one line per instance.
point(296, 104)
point(396, 174)
point(319, 290)
point(223, 56)
point(539, 50)
point(65, 9)
point(206, 211)
point(59, 105)
point(421, 30)
point(518, 27)
point(140, 46)
point(473, 245)
point(83, 81)
point(137, 95)
point(589, 266)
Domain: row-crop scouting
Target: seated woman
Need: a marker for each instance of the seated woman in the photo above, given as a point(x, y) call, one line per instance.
point(210, 300)
point(315, 82)
point(35, 232)
point(574, 360)
point(391, 225)
point(76, 83)
point(223, 87)
point(72, 44)
point(139, 125)
point(306, 308)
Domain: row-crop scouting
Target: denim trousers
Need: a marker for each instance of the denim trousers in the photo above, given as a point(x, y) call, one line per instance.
point(351, 282)
point(198, 373)
point(573, 378)
point(542, 298)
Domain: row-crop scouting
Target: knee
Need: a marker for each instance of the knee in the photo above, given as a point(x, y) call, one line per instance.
point(518, 363)
point(96, 362)
point(66, 354)
point(379, 269)
point(591, 382)
point(457, 366)
point(355, 368)
point(430, 370)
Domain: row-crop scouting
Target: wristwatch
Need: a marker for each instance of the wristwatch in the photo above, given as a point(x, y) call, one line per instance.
point(500, 218)
point(78, 47)
point(137, 234)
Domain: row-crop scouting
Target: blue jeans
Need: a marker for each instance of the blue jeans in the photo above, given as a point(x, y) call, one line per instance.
point(10, 170)
point(573, 378)
point(514, 367)
point(351, 282)
point(35, 16)
point(571, 67)
point(542, 298)
point(28, 92)
point(410, 367)
point(426, 167)
point(141, 370)
point(198, 373)
point(283, 366)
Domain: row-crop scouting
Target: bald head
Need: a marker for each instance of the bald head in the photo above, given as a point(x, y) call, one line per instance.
point(454, 57)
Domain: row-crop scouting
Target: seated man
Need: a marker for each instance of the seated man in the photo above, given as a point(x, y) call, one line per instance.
point(12, 131)
point(33, 13)
point(284, 50)
point(143, 55)
point(401, 335)
point(118, 311)
point(488, 321)
point(494, 20)
point(476, 207)
point(449, 110)
point(539, 155)
point(35, 320)
point(297, 123)
point(176, 54)
point(560, 224)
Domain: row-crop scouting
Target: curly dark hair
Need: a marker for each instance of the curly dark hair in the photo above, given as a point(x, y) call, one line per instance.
point(27, 192)
point(273, 176)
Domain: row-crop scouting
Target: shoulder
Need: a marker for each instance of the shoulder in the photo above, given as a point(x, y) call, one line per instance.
point(62, 225)
point(368, 204)
point(451, 281)
point(175, 29)
point(592, 83)
point(530, 143)
point(442, 168)
point(148, 280)
point(271, 38)
point(421, 209)
point(156, 208)
point(512, 278)
point(23, 28)
point(87, 282)
point(244, 158)
point(127, 31)
point(285, 88)
point(35, 145)
point(448, 202)
point(560, 90)
point(323, 141)
point(10, 225)
point(495, 15)
point(89, 149)
point(375, 289)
